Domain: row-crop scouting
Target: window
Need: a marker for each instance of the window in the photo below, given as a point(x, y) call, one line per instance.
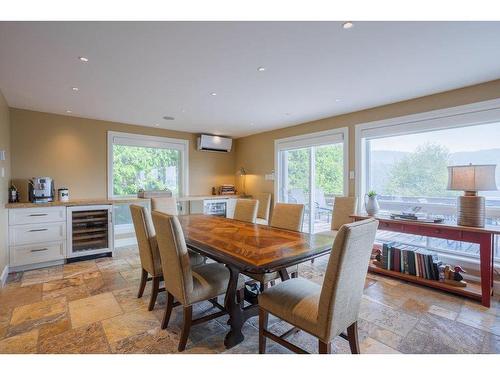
point(145, 162)
point(405, 161)
point(312, 170)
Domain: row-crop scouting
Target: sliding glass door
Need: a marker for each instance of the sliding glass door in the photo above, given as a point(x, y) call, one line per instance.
point(311, 170)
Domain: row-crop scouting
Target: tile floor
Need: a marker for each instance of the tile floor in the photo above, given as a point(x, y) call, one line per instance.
point(91, 307)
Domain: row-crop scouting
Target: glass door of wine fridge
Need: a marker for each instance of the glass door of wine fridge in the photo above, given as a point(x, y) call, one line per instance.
point(90, 230)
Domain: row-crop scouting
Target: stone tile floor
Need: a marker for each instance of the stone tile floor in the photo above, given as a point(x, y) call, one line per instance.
point(91, 307)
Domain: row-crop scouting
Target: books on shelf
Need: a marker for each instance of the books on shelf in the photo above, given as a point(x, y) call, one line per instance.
point(227, 189)
point(411, 260)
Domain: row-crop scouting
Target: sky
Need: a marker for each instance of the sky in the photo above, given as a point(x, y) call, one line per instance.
point(472, 138)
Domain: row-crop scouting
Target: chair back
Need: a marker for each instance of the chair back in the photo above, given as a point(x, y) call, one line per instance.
point(167, 205)
point(288, 216)
point(174, 256)
point(345, 277)
point(246, 210)
point(264, 205)
point(319, 198)
point(343, 207)
point(146, 240)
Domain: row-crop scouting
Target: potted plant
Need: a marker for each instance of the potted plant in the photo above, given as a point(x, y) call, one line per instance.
point(371, 203)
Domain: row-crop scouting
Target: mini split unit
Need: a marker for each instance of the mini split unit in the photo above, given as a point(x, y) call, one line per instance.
point(214, 143)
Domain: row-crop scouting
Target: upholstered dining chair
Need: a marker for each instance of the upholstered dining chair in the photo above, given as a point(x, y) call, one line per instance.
point(343, 208)
point(246, 210)
point(166, 205)
point(285, 216)
point(264, 208)
point(324, 311)
point(149, 254)
point(288, 216)
point(187, 284)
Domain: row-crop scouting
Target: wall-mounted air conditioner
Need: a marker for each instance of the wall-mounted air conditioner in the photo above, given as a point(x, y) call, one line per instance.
point(214, 143)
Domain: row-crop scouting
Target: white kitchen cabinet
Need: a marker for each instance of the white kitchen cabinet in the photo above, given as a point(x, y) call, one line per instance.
point(37, 237)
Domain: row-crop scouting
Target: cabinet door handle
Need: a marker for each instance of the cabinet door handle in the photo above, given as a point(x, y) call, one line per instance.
point(38, 214)
point(38, 230)
point(36, 250)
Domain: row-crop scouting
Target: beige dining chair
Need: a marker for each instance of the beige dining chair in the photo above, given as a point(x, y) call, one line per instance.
point(166, 205)
point(285, 216)
point(187, 284)
point(264, 208)
point(324, 311)
point(246, 210)
point(149, 253)
point(343, 208)
point(288, 216)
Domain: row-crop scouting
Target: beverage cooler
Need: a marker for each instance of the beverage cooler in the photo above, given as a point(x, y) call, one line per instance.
point(89, 230)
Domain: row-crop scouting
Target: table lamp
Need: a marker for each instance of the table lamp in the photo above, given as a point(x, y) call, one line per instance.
point(471, 179)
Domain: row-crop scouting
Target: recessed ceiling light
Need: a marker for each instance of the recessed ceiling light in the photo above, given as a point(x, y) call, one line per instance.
point(337, 100)
point(157, 124)
point(75, 88)
point(287, 114)
point(83, 59)
point(213, 93)
point(347, 25)
point(261, 69)
point(68, 111)
point(183, 110)
point(168, 118)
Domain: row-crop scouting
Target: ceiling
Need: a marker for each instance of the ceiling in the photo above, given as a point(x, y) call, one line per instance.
point(139, 72)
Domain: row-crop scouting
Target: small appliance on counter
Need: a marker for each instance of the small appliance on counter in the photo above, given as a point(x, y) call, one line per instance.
point(41, 189)
point(13, 194)
point(63, 194)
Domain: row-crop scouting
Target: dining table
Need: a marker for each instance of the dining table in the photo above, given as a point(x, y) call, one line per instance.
point(245, 247)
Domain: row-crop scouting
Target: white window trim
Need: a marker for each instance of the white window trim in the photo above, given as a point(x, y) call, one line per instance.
point(454, 117)
point(338, 135)
point(152, 141)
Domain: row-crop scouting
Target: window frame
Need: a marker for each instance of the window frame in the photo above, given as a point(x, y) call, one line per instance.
point(140, 140)
point(480, 113)
point(322, 138)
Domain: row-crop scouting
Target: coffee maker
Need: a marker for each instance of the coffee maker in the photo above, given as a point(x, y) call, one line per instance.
point(41, 189)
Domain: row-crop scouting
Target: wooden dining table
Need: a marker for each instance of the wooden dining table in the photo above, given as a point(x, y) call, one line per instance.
point(246, 247)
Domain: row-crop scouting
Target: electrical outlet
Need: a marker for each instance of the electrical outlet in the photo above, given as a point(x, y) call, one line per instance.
point(351, 175)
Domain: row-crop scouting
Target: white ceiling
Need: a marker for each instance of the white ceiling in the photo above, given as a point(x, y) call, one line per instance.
point(141, 71)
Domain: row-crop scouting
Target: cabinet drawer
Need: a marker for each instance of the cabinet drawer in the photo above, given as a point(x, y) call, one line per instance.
point(39, 253)
point(36, 233)
point(36, 215)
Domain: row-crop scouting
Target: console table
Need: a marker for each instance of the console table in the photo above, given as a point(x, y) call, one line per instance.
point(482, 236)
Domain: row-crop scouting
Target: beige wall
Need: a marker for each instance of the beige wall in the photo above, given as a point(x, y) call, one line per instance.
point(73, 151)
point(4, 181)
point(256, 152)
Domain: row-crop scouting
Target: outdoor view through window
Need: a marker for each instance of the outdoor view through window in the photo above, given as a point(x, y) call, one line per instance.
point(411, 170)
point(148, 168)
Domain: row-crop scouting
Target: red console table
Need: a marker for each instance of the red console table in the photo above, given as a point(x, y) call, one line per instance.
point(482, 236)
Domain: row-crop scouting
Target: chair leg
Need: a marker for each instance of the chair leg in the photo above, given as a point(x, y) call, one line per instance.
point(294, 275)
point(272, 283)
point(154, 292)
point(186, 327)
point(263, 319)
point(324, 348)
point(352, 336)
point(168, 311)
point(144, 280)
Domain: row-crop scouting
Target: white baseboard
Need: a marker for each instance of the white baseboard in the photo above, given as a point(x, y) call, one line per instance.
point(3, 277)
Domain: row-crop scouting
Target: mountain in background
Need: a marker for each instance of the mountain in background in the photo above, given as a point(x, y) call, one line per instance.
point(382, 161)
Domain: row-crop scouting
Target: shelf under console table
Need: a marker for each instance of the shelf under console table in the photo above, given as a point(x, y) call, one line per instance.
point(451, 231)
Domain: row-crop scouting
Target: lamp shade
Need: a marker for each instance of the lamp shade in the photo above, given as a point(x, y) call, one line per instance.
point(472, 177)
